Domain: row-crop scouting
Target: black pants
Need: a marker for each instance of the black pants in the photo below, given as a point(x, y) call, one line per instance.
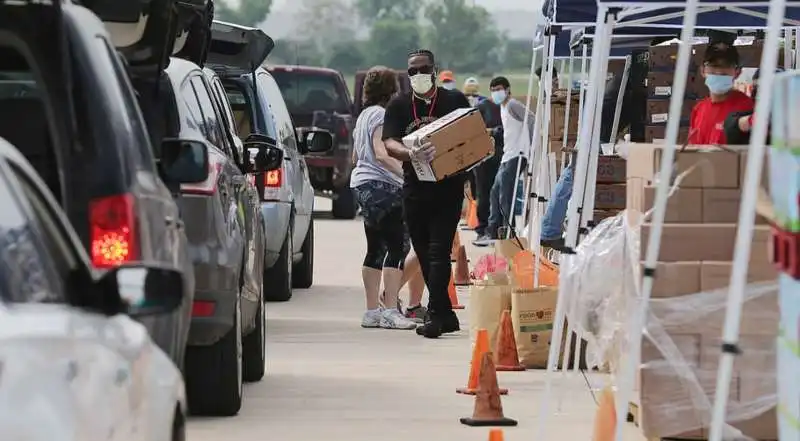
point(386, 241)
point(484, 179)
point(432, 212)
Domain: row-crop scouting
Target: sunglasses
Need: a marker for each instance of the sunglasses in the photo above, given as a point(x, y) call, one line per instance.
point(424, 70)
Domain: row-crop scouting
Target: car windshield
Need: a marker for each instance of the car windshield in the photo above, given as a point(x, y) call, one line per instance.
point(305, 92)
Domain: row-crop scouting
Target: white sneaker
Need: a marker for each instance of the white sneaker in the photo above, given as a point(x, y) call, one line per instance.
point(393, 319)
point(372, 319)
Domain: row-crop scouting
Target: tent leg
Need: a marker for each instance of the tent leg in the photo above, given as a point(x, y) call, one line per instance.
point(744, 233)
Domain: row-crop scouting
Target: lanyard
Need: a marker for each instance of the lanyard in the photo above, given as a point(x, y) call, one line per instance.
point(430, 109)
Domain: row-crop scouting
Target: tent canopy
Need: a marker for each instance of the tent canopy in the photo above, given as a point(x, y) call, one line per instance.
point(567, 41)
point(734, 14)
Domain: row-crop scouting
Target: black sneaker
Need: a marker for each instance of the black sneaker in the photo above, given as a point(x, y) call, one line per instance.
point(556, 244)
point(434, 327)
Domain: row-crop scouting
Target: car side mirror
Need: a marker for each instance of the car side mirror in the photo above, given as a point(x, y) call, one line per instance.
point(265, 157)
point(317, 141)
point(184, 161)
point(143, 290)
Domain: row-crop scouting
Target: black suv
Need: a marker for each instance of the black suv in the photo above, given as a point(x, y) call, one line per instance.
point(318, 98)
point(67, 105)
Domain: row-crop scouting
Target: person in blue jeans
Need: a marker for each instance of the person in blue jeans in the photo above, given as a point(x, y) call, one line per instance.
point(516, 141)
point(556, 212)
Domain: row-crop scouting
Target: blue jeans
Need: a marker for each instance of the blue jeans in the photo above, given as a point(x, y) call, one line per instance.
point(556, 213)
point(501, 196)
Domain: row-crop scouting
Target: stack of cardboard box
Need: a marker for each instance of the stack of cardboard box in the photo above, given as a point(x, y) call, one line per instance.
point(611, 191)
point(558, 131)
point(696, 253)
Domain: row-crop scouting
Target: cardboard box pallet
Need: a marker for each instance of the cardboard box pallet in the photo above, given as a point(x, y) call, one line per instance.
point(696, 253)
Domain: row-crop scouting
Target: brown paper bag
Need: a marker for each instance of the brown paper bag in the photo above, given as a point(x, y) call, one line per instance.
point(509, 248)
point(487, 301)
point(532, 314)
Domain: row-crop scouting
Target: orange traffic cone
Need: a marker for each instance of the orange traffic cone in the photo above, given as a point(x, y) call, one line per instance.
point(462, 268)
point(507, 357)
point(488, 406)
point(496, 435)
point(451, 291)
point(456, 246)
point(481, 347)
point(605, 420)
point(472, 215)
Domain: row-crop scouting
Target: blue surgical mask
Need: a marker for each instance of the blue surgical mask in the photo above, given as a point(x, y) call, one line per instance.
point(449, 85)
point(719, 84)
point(498, 96)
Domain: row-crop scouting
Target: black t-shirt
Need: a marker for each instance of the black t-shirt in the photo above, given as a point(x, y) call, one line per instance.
point(400, 121)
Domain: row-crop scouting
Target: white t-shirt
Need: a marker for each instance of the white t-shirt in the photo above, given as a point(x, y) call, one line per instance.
point(516, 138)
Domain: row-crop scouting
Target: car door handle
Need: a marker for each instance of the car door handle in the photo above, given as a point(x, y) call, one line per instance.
point(169, 220)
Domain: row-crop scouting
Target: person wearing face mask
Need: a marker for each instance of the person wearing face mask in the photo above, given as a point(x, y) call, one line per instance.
point(720, 68)
point(471, 90)
point(431, 209)
point(447, 80)
point(516, 140)
point(739, 124)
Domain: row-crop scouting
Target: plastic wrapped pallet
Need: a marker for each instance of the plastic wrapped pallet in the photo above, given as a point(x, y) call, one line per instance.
point(680, 348)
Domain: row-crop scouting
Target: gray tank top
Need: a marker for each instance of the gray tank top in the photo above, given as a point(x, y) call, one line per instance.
point(368, 168)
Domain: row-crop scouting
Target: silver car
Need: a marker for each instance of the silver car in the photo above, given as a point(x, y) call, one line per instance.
point(287, 197)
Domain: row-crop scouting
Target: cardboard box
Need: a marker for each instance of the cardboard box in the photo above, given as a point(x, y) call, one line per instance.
point(659, 84)
point(721, 205)
point(461, 142)
point(676, 279)
point(610, 197)
point(683, 207)
point(599, 215)
point(663, 58)
point(717, 275)
point(712, 167)
point(658, 111)
point(611, 170)
point(693, 242)
point(656, 133)
point(558, 113)
point(668, 408)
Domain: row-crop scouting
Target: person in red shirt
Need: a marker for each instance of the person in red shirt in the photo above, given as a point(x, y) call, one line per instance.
point(720, 68)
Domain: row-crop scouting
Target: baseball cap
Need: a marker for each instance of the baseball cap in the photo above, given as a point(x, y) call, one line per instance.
point(446, 76)
point(722, 55)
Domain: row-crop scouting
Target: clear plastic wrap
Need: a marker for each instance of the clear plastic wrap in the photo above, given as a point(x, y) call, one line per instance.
point(681, 344)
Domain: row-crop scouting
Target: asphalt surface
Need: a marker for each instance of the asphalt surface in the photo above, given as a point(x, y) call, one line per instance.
point(327, 378)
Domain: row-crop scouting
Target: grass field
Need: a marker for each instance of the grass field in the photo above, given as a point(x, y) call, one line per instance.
point(518, 80)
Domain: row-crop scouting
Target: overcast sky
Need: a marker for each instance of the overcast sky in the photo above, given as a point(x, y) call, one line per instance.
point(489, 4)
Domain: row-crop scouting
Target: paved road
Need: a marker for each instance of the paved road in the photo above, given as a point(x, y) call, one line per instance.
point(329, 379)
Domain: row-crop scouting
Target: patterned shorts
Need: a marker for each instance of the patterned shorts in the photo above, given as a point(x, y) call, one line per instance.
point(377, 199)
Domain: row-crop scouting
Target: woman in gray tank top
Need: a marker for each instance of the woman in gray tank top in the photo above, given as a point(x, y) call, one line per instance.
point(377, 181)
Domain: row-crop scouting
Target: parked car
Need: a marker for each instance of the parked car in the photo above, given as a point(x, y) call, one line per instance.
point(65, 338)
point(260, 113)
point(67, 104)
point(317, 98)
point(358, 86)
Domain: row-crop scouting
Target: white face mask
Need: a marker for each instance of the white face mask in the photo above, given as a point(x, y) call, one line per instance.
point(421, 83)
point(449, 86)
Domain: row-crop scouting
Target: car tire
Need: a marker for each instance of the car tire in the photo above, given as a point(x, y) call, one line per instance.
point(214, 374)
point(344, 204)
point(303, 271)
point(178, 426)
point(254, 349)
point(278, 278)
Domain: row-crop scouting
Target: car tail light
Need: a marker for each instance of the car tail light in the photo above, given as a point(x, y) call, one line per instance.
point(273, 178)
point(112, 231)
point(209, 186)
point(203, 309)
point(343, 132)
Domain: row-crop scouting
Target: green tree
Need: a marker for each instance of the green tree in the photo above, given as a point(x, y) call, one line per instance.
point(296, 52)
point(462, 37)
point(518, 55)
point(248, 13)
point(327, 23)
point(346, 57)
point(372, 11)
point(391, 40)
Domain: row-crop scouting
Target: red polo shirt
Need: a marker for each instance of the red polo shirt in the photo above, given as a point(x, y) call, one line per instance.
point(707, 118)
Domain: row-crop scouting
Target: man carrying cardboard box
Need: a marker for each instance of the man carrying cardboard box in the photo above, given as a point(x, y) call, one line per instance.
point(431, 209)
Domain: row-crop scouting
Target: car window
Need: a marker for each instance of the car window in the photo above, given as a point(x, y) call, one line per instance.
point(29, 273)
point(283, 119)
point(210, 117)
point(243, 115)
point(305, 92)
point(194, 117)
point(131, 108)
point(224, 104)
